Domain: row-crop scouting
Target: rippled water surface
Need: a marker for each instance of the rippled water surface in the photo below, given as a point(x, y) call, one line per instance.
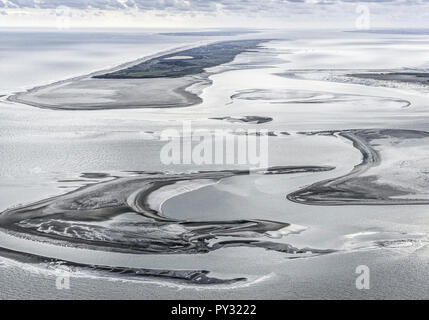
point(84, 193)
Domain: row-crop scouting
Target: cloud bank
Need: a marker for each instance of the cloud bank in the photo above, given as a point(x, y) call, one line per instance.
point(215, 13)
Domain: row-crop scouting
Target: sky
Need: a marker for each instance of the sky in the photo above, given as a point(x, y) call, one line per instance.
point(197, 14)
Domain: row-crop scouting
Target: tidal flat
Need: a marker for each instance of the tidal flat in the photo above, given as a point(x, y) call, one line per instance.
point(162, 81)
point(84, 192)
point(405, 77)
point(371, 182)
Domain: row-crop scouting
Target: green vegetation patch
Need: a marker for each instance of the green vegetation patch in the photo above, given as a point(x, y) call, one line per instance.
point(202, 57)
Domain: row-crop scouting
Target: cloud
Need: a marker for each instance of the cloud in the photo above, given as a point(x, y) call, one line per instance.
point(169, 5)
point(237, 13)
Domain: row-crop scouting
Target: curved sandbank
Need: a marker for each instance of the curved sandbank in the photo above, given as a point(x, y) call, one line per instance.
point(245, 119)
point(397, 76)
point(373, 181)
point(64, 267)
point(201, 58)
point(91, 218)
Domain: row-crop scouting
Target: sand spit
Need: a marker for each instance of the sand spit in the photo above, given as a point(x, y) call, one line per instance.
point(63, 267)
point(79, 217)
point(201, 58)
point(97, 94)
point(391, 171)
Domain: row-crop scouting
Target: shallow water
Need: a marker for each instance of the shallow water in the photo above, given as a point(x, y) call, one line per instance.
point(44, 153)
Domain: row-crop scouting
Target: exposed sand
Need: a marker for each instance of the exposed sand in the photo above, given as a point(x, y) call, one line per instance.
point(63, 218)
point(89, 95)
point(384, 177)
point(246, 119)
point(391, 168)
point(179, 58)
point(92, 93)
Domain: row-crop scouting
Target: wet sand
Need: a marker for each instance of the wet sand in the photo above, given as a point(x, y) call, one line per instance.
point(62, 267)
point(66, 217)
point(245, 119)
point(96, 94)
point(83, 219)
point(400, 76)
point(105, 90)
point(243, 225)
point(360, 187)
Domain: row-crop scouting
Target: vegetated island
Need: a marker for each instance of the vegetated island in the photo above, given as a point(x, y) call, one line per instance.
point(197, 59)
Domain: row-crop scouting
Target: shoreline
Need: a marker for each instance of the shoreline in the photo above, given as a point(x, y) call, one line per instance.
point(16, 96)
point(71, 210)
point(127, 93)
